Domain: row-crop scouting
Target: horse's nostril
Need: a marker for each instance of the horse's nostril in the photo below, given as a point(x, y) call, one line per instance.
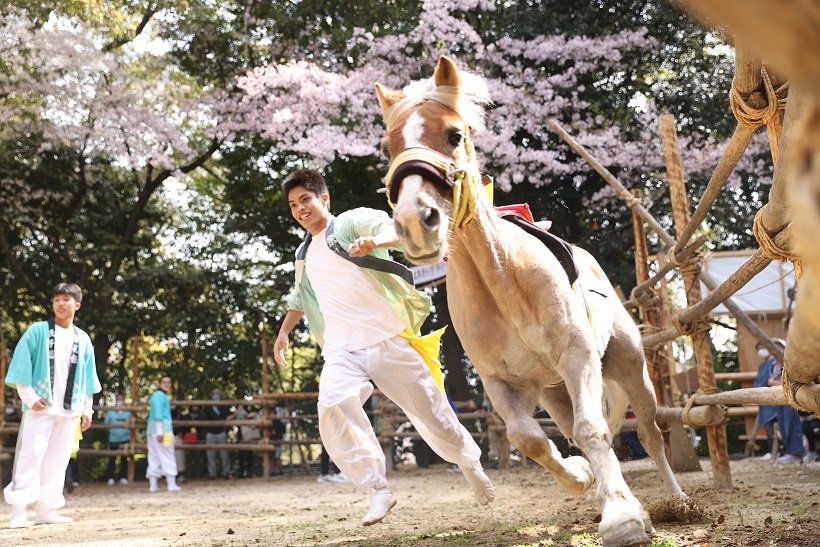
point(431, 218)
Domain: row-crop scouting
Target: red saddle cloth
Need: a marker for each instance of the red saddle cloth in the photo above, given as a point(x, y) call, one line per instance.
point(521, 210)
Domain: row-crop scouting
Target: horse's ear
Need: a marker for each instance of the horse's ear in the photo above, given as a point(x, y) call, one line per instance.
point(446, 72)
point(387, 97)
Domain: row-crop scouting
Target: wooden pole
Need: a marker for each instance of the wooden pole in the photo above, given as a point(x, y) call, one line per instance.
point(716, 435)
point(648, 311)
point(733, 308)
point(132, 427)
point(266, 402)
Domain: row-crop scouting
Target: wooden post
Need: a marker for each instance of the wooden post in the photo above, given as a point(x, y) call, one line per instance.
point(265, 402)
point(718, 452)
point(649, 313)
point(132, 423)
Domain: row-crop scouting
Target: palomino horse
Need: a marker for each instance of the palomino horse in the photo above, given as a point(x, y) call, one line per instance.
point(527, 329)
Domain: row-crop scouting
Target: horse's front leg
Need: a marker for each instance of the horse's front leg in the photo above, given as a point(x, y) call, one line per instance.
point(515, 405)
point(621, 516)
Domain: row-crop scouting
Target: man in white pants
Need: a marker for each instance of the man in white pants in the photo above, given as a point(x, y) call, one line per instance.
point(160, 437)
point(55, 374)
point(366, 315)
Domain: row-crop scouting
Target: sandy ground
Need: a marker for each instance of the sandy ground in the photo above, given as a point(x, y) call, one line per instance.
point(770, 505)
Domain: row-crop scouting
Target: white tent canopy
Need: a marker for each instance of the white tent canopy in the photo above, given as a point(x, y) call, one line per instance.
point(767, 292)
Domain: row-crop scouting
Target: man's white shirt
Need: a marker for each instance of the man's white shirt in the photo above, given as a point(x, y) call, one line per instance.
point(356, 313)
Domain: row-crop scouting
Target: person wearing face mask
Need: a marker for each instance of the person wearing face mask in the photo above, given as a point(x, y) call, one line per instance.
point(770, 374)
point(117, 437)
point(217, 434)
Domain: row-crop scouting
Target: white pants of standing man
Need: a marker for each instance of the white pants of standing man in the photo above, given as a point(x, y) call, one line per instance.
point(161, 460)
point(401, 374)
point(218, 438)
point(43, 450)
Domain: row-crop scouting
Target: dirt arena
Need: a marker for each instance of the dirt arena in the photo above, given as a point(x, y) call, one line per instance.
point(770, 505)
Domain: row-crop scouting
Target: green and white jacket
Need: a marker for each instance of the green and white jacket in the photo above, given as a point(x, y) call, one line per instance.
point(410, 305)
point(29, 367)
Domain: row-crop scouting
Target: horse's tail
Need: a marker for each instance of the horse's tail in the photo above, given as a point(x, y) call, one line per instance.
point(615, 405)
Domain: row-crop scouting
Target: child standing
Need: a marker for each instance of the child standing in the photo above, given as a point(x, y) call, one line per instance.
point(160, 437)
point(55, 375)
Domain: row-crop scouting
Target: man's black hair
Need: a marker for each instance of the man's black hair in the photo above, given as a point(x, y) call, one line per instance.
point(309, 179)
point(71, 289)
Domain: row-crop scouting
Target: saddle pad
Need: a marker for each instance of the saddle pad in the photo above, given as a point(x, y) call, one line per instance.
point(557, 246)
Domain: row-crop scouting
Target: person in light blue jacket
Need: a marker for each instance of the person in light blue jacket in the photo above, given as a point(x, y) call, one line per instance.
point(117, 437)
point(160, 439)
point(54, 372)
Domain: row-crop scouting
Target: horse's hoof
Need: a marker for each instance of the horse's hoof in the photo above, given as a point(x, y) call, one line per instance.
point(647, 522)
point(579, 476)
point(630, 533)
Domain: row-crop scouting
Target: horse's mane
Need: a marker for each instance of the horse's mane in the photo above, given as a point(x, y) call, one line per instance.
point(469, 100)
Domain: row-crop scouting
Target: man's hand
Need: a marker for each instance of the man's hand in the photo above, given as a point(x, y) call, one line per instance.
point(39, 405)
point(362, 246)
point(85, 423)
point(280, 349)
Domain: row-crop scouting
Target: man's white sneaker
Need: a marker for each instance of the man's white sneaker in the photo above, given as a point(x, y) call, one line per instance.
point(480, 483)
point(51, 517)
point(766, 457)
point(174, 488)
point(325, 479)
point(19, 520)
point(381, 502)
point(123, 481)
point(111, 482)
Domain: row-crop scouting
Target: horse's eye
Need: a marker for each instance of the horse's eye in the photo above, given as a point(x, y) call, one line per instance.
point(454, 137)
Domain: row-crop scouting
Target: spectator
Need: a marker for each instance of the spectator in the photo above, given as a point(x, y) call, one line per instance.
point(770, 374)
point(278, 429)
point(55, 374)
point(217, 434)
point(247, 434)
point(160, 438)
point(117, 437)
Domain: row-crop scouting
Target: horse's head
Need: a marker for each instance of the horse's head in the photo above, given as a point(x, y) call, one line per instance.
point(433, 176)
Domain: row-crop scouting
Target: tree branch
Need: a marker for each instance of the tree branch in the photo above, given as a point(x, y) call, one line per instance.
point(13, 263)
point(145, 194)
point(146, 18)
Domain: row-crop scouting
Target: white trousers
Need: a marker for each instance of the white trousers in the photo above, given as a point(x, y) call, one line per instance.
point(400, 372)
point(161, 460)
point(43, 449)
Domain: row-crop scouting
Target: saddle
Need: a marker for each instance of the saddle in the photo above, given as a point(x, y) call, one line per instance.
point(521, 216)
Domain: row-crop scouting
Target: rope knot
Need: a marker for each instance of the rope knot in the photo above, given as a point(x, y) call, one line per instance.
point(751, 115)
point(770, 248)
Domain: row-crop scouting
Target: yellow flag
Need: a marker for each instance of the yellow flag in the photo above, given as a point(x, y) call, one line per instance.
point(428, 347)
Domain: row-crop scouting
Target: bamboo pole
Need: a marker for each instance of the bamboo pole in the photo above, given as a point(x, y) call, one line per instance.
point(716, 435)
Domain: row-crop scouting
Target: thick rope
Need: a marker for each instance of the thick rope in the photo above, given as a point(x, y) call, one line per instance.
point(770, 248)
point(790, 391)
point(691, 327)
point(751, 116)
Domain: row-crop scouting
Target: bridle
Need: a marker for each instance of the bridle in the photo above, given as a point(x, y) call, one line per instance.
point(443, 172)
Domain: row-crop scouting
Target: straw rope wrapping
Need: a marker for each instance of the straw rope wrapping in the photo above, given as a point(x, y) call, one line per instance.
point(751, 116)
point(790, 391)
point(771, 249)
point(690, 403)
